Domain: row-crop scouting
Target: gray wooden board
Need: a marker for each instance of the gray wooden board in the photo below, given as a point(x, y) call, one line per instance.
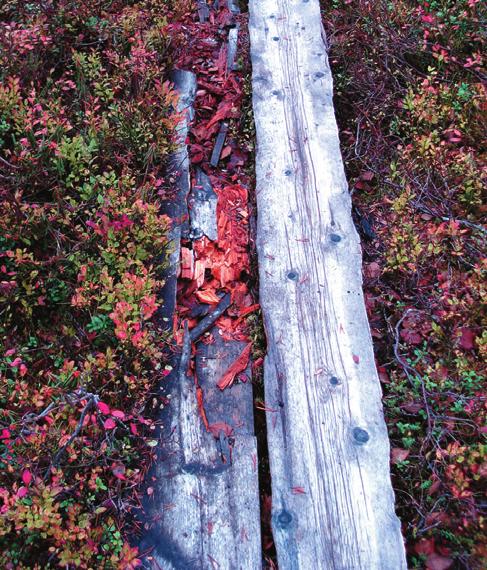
point(333, 504)
point(202, 204)
point(203, 510)
point(233, 406)
point(176, 208)
point(201, 497)
point(220, 141)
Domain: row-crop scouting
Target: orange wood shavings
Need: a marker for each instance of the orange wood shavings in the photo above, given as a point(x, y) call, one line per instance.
point(207, 296)
point(239, 365)
point(187, 263)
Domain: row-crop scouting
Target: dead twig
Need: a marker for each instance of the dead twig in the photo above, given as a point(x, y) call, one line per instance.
point(92, 399)
point(411, 372)
point(206, 323)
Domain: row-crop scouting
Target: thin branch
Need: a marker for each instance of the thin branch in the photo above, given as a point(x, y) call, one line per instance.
point(89, 405)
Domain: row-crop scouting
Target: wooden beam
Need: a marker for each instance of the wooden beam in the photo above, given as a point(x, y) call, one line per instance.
point(201, 497)
point(333, 504)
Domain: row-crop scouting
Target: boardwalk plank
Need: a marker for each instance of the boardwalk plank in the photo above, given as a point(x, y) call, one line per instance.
point(201, 500)
point(333, 505)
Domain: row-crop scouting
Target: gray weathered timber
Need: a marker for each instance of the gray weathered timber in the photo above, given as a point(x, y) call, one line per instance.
point(201, 500)
point(333, 504)
point(220, 141)
point(176, 207)
point(204, 505)
point(202, 208)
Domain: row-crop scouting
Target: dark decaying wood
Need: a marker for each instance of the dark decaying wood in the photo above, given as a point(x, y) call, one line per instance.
point(232, 48)
point(220, 141)
point(333, 505)
point(201, 500)
point(176, 207)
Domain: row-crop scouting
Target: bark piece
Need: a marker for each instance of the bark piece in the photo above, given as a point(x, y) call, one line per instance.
point(220, 141)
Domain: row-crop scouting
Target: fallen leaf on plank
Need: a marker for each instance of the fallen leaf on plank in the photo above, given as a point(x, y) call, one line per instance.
point(239, 365)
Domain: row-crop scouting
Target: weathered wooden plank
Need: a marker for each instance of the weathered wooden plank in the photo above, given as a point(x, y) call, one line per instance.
point(333, 505)
point(204, 504)
point(201, 501)
point(202, 208)
point(176, 207)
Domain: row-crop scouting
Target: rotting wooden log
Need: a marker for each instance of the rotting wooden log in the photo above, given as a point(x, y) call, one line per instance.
point(333, 504)
point(201, 500)
point(203, 510)
point(176, 208)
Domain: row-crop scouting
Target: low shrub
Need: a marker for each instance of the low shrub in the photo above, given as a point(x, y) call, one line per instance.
point(410, 98)
point(86, 125)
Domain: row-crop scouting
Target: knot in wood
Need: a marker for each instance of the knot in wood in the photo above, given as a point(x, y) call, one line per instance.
point(284, 518)
point(360, 435)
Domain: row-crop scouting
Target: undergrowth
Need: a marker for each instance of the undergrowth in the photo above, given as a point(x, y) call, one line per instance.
point(86, 125)
point(410, 99)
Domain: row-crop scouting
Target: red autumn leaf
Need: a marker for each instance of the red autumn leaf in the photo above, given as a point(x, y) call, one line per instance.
point(437, 562)
point(372, 270)
point(5, 434)
point(247, 310)
point(412, 407)
point(26, 477)
point(118, 414)
point(223, 112)
point(104, 408)
point(119, 471)
point(411, 336)
point(109, 424)
point(22, 492)
point(356, 358)
point(133, 429)
point(218, 427)
point(425, 546)
point(227, 151)
point(201, 407)
point(367, 176)
point(467, 339)
point(208, 296)
point(383, 375)
point(239, 365)
point(398, 454)
point(298, 491)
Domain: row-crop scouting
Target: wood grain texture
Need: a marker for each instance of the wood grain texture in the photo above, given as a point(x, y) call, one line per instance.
point(201, 500)
point(333, 505)
point(203, 510)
